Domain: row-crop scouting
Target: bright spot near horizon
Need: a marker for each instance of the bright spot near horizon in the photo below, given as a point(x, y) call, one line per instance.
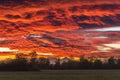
point(3, 49)
point(45, 54)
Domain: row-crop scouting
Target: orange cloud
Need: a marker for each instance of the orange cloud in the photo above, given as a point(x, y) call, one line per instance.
point(67, 27)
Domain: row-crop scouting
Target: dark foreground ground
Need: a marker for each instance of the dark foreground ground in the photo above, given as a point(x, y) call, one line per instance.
point(62, 75)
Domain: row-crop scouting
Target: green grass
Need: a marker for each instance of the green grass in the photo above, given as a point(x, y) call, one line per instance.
point(62, 75)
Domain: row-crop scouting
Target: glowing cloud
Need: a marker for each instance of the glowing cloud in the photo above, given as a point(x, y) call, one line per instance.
point(106, 29)
point(45, 54)
point(103, 49)
point(114, 45)
point(7, 50)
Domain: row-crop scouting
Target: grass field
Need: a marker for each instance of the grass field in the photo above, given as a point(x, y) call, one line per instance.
point(62, 75)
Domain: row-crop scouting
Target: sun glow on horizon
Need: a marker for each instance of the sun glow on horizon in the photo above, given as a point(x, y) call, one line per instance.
point(5, 57)
point(3, 49)
point(44, 54)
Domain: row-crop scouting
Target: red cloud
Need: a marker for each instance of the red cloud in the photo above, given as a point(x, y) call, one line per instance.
point(64, 22)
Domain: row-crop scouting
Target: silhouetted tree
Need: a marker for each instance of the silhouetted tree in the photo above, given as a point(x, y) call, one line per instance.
point(84, 63)
point(57, 64)
point(33, 61)
point(97, 64)
point(118, 63)
point(111, 63)
point(71, 64)
point(44, 63)
point(18, 64)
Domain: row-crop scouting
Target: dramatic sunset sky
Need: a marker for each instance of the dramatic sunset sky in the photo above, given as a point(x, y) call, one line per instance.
point(61, 27)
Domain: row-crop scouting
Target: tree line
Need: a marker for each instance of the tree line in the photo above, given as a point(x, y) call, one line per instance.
point(21, 63)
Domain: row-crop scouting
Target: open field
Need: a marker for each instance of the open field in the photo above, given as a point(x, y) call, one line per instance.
point(62, 75)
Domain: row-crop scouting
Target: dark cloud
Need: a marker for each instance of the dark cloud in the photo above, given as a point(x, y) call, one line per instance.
point(7, 41)
point(89, 25)
point(56, 41)
point(80, 18)
point(36, 1)
point(25, 3)
point(106, 6)
point(51, 15)
point(28, 15)
point(12, 3)
point(108, 20)
point(10, 16)
point(118, 16)
point(99, 7)
point(56, 22)
point(54, 19)
point(40, 43)
point(36, 39)
point(42, 12)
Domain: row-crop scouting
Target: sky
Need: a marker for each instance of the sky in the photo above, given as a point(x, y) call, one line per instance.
point(61, 28)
